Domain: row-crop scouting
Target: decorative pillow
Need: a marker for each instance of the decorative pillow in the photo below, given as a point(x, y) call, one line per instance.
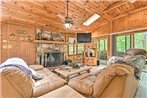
point(36, 67)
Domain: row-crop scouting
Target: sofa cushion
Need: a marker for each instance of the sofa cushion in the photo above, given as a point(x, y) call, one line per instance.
point(49, 82)
point(83, 83)
point(36, 67)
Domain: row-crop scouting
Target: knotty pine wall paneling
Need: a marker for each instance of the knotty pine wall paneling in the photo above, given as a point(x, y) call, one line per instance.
point(119, 24)
point(103, 30)
point(130, 21)
point(18, 48)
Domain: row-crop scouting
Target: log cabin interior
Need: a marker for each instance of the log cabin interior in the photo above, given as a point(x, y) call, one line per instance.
point(73, 48)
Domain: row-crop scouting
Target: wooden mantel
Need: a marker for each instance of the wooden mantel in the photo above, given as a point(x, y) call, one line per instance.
point(49, 42)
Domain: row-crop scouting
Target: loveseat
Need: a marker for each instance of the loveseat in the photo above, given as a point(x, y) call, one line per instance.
point(114, 81)
point(15, 84)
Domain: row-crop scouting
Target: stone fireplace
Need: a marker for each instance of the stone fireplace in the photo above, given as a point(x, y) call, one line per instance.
point(51, 54)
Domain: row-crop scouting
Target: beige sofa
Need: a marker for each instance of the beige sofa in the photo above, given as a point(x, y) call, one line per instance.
point(15, 84)
point(115, 81)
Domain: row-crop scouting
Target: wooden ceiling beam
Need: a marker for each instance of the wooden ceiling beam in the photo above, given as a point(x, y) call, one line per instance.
point(95, 9)
point(111, 7)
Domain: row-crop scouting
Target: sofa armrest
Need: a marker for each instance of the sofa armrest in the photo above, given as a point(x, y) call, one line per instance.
point(36, 67)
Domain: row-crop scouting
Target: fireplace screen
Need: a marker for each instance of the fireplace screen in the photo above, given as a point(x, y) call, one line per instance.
point(52, 59)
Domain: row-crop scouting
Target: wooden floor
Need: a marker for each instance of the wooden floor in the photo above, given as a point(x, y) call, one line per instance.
point(142, 90)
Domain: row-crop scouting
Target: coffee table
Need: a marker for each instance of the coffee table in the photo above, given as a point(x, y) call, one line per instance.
point(63, 92)
point(67, 74)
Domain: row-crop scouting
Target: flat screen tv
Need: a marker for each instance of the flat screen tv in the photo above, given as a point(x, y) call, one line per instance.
point(83, 37)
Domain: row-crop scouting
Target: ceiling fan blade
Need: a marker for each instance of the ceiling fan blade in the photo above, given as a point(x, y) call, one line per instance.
point(78, 27)
point(60, 16)
point(79, 18)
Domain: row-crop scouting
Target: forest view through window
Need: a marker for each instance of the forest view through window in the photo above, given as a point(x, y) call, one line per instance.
point(140, 40)
point(122, 44)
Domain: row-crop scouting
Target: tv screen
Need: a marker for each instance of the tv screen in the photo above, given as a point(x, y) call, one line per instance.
point(83, 37)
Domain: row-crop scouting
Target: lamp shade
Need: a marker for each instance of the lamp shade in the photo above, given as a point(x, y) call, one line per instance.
point(68, 25)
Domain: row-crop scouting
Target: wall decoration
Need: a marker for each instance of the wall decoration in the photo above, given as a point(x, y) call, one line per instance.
point(12, 36)
point(50, 36)
point(21, 32)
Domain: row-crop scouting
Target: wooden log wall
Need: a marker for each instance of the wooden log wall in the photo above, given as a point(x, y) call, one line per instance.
point(17, 48)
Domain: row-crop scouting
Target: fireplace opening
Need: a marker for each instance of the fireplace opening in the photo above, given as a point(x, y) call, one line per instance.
point(52, 59)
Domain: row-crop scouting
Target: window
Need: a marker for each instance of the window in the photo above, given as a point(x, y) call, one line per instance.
point(122, 44)
point(77, 49)
point(71, 48)
point(140, 40)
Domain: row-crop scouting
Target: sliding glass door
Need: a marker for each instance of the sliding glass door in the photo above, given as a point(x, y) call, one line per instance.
point(140, 40)
point(102, 50)
point(131, 40)
point(122, 44)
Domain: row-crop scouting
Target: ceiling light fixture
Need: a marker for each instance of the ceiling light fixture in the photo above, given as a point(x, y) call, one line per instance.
point(132, 1)
point(68, 20)
point(91, 19)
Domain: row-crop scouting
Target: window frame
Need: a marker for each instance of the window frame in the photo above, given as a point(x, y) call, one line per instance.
point(76, 47)
point(74, 50)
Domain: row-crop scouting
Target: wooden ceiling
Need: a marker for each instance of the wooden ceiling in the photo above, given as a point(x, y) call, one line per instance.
point(50, 14)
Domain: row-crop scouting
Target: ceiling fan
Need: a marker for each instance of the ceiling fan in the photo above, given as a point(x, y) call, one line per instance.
point(68, 20)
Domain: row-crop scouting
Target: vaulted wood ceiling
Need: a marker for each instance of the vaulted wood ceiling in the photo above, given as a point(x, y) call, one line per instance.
point(50, 13)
